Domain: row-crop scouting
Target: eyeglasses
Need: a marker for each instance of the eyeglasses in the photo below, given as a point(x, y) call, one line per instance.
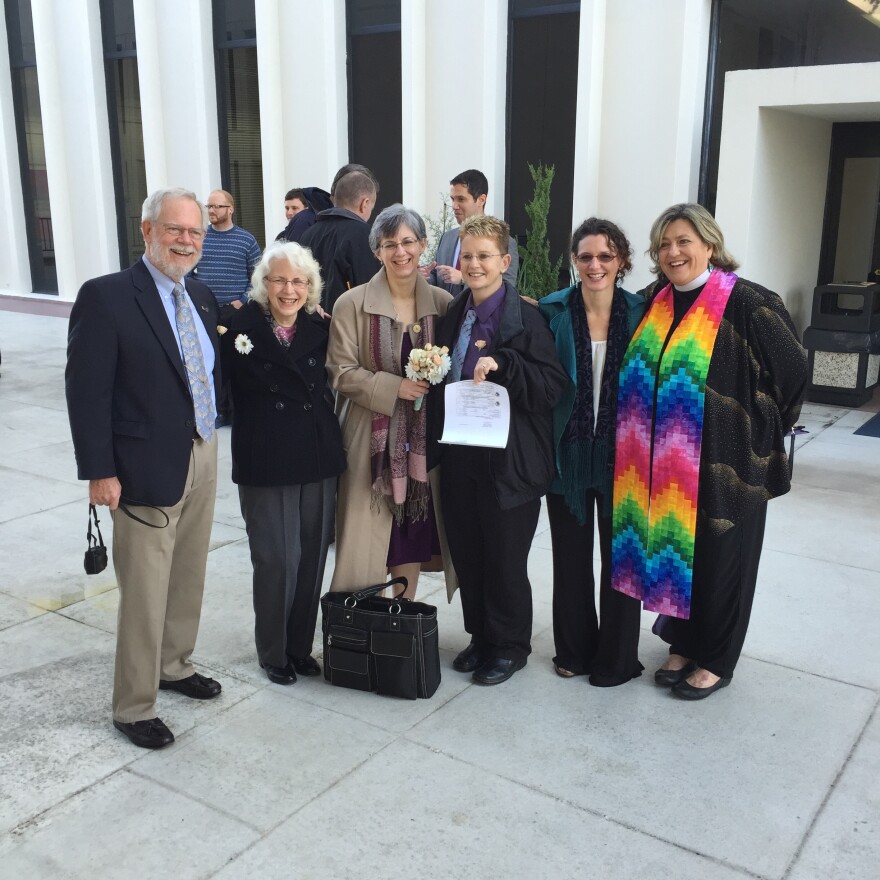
point(389, 247)
point(477, 258)
point(217, 206)
point(177, 231)
point(586, 259)
point(295, 283)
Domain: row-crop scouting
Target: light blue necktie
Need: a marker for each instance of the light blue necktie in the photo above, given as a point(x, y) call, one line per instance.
point(203, 400)
point(461, 345)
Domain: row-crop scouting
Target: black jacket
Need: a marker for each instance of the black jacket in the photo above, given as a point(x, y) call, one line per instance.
point(316, 200)
point(128, 397)
point(340, 242)
point(529, 369)
point(284, 431)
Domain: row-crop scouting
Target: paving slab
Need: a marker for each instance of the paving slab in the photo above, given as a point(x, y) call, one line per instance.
point(282, 752)
point(826, 463)
point(844, 843)
point(816, 616)
point(26, 494)
point(825, 524)
point(124, 826)
point(432, 816)
point(14, 611)
point(25, 425)
point(753, 762)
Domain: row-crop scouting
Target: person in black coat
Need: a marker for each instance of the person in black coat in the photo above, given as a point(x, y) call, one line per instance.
point(301, 207)
point(286, 451)
point(492, 497)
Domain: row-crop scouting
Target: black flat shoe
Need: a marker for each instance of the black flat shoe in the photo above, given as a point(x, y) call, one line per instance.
point(305, 665)
point(471, 658)
point(199, 687)
point(150, 734)
point(498, 670)
point(280, 674)
point(688, 692)
point(671, 677)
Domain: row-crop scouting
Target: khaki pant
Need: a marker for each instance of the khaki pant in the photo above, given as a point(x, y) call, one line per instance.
point(161, 577)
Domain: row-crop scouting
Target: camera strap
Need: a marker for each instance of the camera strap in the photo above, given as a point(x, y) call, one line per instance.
point(143, 522)
point(92, 540)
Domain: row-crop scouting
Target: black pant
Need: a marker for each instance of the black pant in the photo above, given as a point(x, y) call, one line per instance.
point(725, 575)
point(288, 530)
point(490, 552)
point(605, 645)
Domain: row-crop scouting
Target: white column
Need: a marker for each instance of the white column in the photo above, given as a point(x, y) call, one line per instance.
point(652, 114)
point(414, 111)
point(178, 94)
point(587, 134)
point(77, 141)
point(303, 97)
point(465, 96)
point(15, 271)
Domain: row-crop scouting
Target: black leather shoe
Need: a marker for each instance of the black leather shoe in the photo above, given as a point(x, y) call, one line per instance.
point(151, 734)
point(497, 670)
point(689, 692)
point(671, 677)
point(471, 658)
point(305, 665)
point(199, 687)
point(280, 674)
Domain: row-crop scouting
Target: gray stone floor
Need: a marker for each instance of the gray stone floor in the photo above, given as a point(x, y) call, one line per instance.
point(776, 777)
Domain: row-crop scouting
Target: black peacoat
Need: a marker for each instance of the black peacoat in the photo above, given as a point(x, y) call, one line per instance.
point(284, 431)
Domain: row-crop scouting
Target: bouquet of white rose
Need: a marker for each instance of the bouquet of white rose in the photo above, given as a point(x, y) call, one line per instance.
point(430, 363)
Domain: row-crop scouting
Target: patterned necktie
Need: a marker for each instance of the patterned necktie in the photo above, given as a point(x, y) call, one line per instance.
point(461, 345)
point(203, 400)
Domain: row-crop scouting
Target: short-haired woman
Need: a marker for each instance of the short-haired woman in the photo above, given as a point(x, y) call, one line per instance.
point(286, 452)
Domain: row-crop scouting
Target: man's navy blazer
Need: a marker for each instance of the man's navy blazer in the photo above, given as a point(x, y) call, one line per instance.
point(128, 398)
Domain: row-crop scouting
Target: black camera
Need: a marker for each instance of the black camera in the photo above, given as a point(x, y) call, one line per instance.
point(95, 560)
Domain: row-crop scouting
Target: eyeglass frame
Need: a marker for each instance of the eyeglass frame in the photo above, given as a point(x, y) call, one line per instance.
point(284, 283)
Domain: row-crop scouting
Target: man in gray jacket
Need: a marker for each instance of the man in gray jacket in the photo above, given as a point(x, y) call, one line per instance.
point(468, 191)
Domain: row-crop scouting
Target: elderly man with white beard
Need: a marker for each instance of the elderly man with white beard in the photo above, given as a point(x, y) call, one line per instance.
point(142, 369)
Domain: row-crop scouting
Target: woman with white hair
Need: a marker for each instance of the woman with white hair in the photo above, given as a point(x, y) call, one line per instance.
point(286, 451)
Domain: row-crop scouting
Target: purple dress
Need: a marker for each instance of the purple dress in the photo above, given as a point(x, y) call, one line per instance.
point(412, 540)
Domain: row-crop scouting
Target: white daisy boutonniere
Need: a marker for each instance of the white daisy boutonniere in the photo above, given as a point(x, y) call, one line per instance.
point(243, 345)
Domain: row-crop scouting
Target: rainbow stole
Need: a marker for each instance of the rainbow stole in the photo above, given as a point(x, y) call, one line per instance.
point(655, 495)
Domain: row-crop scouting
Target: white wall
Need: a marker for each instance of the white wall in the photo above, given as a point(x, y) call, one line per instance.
point(15, 272)
point(303, 98)
point(652, 114)
point(76, 135)
point(465, 97)
point(773, 169)
point(178, 94)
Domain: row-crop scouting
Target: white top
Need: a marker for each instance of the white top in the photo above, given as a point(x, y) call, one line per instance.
point(599, 350)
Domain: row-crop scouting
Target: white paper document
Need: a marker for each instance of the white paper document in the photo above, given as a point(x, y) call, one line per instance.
point(476, 415)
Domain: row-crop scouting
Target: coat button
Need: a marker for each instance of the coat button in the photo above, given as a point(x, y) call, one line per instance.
point(279, 405)
point(312, 362)
point(273, 388)
point(307, 406)
point(189, 423)
point(311, 386)
point(267, 367)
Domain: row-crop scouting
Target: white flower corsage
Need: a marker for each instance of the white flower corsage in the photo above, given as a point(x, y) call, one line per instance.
point(243, 345)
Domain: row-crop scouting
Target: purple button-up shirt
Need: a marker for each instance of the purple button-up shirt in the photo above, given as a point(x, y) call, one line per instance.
point(485, 327)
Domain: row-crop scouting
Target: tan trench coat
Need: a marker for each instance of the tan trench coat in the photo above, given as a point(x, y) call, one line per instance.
point(362, 532)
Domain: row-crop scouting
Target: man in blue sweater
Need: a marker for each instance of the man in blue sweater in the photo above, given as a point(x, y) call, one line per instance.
point(229, 253)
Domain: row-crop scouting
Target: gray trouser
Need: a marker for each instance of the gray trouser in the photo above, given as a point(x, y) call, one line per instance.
point(289, 529)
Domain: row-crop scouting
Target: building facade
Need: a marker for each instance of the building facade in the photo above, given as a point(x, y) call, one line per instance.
point(740, 104)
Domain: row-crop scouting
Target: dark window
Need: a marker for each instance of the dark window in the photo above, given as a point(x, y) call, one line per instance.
point(541, 110)
point(755, 34)
point(374, 93)
point(126, 127)
point(32, 156)
point(238, 111)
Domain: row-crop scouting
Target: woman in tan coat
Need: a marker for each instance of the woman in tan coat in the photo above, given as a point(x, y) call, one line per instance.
point(387, 518)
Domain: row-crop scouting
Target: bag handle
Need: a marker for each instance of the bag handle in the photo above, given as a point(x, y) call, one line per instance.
point(92, 540)
point(365, 593)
